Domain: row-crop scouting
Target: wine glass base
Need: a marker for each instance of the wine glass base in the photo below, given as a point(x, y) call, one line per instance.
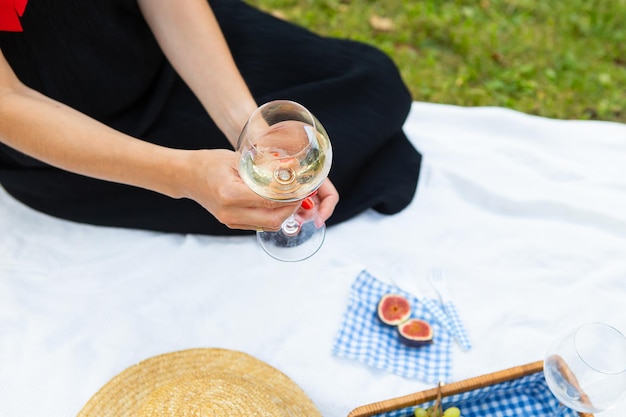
point(293, 247)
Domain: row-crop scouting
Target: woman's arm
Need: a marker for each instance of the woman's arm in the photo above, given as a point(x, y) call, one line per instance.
point(63, 137)
point(192, 40)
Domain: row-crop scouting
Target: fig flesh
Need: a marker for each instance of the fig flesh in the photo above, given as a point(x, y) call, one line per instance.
point(394, 309)
point(415, 333)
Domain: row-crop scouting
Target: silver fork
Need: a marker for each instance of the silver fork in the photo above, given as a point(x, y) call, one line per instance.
point(440, 284)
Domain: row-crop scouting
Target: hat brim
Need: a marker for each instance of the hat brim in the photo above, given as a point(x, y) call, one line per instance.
point(200, 382)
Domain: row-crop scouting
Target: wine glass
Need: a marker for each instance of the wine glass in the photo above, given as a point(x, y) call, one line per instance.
point(586, 369)
point(285, 155)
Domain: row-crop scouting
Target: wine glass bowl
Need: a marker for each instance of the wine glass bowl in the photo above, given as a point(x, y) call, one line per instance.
point(284, 162)
point(586, 369)
point(285, 155)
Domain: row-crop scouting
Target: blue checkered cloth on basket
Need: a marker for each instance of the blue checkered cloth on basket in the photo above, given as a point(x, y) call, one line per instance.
point(363, 337)
point(528, 396)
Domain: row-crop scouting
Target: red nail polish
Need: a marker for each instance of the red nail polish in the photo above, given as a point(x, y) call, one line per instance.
point(307, 204)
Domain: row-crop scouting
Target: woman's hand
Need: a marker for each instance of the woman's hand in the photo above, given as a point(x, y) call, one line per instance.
point(213, 181)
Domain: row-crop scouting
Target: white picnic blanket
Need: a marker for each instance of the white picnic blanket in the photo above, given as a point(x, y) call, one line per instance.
point(526, 216)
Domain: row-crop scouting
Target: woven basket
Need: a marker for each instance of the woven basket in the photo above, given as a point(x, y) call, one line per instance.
point(447, 390)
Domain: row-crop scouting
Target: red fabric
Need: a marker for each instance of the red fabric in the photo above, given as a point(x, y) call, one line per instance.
point(10, 12)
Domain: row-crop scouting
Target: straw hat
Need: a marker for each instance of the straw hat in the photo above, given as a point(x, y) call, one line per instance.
point(200, 382)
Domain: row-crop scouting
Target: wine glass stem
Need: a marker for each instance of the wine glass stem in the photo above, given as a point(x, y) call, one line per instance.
point(290, 226)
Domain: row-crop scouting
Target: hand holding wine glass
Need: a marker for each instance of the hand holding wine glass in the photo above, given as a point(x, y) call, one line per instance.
point(586, 369)
point(285, 155)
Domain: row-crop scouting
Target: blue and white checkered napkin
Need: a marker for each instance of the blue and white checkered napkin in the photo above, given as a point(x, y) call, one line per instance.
point(363, 337)
point(527, 396)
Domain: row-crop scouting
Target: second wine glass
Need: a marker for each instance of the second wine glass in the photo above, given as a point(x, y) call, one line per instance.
point(586, 369)
point(285, 155)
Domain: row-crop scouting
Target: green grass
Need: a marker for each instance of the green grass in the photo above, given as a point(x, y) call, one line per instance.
point(563, 59)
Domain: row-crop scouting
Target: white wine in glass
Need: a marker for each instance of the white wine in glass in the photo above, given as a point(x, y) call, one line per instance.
point(285, 155)
point(586, 369)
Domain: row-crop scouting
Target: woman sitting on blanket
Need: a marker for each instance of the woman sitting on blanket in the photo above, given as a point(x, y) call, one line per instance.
point(125, 113)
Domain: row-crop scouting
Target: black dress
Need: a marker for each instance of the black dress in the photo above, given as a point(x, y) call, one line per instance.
point(100, 57)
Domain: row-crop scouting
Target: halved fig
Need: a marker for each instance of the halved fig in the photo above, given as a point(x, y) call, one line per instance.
point(415, 333)
point(393, 309)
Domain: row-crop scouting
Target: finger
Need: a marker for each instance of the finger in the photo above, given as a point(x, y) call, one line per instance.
point(329, 197)
point(258, 218)
point(244, 196)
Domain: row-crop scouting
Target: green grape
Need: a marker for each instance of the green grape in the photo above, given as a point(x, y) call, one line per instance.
point(420, 412)
point(452, 412)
